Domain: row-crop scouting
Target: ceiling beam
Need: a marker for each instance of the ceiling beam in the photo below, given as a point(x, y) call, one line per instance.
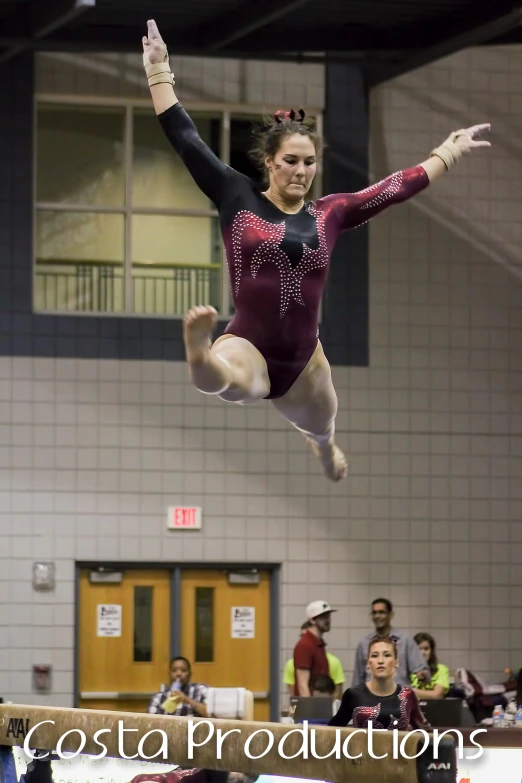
point(48, 21)
point(346, 46)
point(475, 33)
point(232, 26)
point(97, 45)
point(47, 18)
point(345, 39)
point(512, 37)
point(348, 43)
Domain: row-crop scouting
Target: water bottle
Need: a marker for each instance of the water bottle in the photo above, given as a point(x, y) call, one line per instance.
point(172, 696)
point(498, 716)
point(518, 718)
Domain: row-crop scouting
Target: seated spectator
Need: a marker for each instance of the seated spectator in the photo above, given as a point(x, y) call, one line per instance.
point(334, 665)
point(182, 697)
point(323, 685)
point(438, 686)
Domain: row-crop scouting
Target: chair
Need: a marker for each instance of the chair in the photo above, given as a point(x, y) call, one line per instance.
point(231, 703)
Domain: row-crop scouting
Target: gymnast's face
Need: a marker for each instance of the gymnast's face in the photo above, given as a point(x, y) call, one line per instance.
point(382, 661)
point(293, 167)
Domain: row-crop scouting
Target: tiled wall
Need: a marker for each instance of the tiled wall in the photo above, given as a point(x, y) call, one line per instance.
point(93, 451)
point(443, 397)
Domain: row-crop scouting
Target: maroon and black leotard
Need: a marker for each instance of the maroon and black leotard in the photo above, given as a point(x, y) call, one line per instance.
point(278, 263)
point(399, 711)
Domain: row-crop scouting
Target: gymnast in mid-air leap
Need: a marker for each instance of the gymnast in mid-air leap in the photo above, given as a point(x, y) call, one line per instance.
point(278, 247)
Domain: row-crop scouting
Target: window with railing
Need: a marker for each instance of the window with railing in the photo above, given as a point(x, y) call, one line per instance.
point(120, 226)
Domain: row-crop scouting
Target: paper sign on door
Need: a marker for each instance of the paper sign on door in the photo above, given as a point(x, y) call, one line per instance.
point(243, 622)
point(109, 620)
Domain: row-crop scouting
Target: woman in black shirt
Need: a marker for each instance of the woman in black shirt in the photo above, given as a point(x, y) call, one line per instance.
point(380, 700)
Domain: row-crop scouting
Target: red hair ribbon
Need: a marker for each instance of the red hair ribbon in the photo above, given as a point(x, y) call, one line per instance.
point(281, 116)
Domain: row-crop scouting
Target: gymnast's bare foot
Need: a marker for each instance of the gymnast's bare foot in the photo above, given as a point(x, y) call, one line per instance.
point(198, 325)
point(331, 458)
point(210, 373)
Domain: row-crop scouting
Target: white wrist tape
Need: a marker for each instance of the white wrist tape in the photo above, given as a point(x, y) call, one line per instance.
point(158, 73)
point(448, 151)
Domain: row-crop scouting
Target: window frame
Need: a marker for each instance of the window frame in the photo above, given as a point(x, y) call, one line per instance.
point(224, 112)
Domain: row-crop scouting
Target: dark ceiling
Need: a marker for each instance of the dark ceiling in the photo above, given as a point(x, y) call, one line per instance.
point(387, 37)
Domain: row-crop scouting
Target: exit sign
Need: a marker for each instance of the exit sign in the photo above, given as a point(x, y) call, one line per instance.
point(184, 518)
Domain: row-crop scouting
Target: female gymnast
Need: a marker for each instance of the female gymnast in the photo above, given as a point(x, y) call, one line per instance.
point(278, 247)
point(380, 700)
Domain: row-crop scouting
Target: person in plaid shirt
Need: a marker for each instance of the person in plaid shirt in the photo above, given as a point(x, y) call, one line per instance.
point(182, 697)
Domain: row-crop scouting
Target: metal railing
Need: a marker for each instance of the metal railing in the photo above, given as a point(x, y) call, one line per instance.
point(92, 286)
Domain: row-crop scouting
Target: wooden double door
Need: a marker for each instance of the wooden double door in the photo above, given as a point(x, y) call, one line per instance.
point(128, 627)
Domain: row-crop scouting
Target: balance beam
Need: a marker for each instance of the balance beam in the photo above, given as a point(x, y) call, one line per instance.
point(104, 737)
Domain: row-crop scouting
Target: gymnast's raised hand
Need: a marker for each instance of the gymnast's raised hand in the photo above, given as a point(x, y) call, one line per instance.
point(154, 47)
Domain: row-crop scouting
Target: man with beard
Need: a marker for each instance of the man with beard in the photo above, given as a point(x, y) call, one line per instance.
point(336, 669)
point(310, 659)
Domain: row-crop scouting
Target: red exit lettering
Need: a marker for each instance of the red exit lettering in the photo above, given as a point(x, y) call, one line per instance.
point(185, 517)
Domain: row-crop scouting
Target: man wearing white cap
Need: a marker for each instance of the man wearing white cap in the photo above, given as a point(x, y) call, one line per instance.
point(310, 651)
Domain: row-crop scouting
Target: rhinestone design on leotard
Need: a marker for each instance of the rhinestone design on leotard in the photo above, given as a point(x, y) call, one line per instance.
point(364, 714)
point(274, 235)
point(270, 251)
point(405, 718)
point(312, 259)
point(389, 191)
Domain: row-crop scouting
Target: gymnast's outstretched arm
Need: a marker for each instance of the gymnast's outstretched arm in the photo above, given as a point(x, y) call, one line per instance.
point(354, 209)
point(210, 174)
